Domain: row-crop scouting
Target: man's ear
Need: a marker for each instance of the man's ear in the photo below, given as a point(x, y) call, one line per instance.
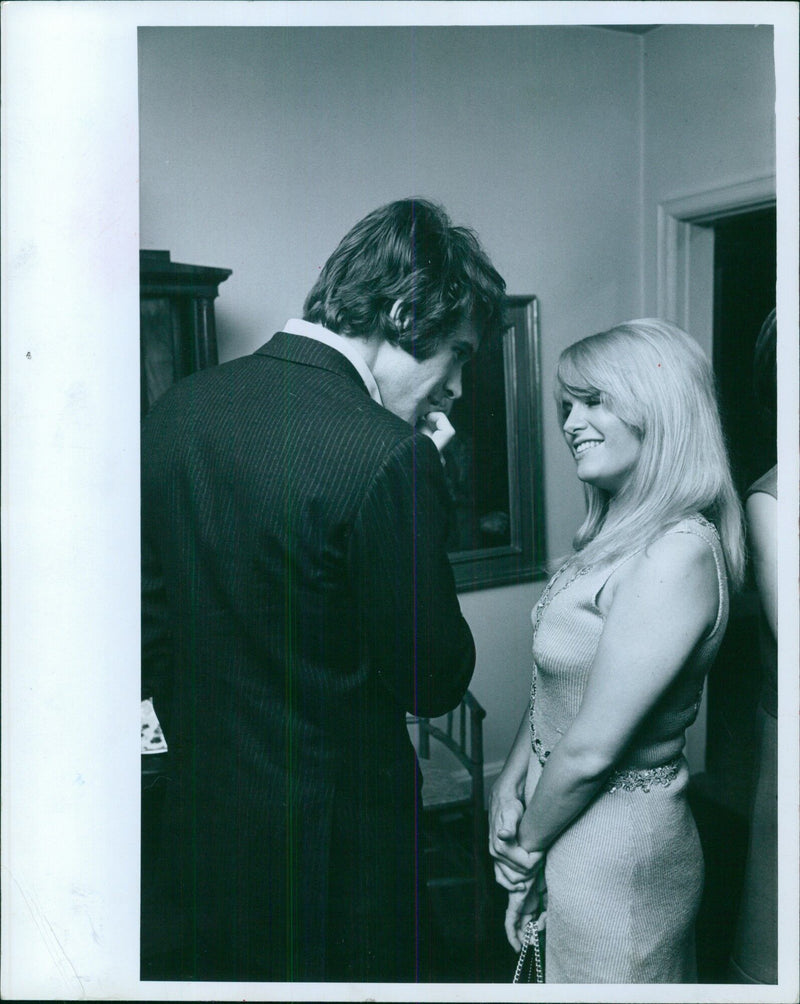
point(395, 316)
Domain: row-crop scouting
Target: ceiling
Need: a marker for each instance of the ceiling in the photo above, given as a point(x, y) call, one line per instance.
point(633, 29)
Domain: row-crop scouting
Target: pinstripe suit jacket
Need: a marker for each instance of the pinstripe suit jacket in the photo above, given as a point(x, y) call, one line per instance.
point(297, 601)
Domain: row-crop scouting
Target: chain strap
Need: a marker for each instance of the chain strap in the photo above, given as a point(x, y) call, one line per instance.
point(530, 939)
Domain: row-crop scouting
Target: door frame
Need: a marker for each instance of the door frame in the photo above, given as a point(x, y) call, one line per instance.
point(685, 295)
point(685, 250)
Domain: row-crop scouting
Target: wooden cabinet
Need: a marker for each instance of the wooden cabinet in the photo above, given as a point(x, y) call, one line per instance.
point(177, 330)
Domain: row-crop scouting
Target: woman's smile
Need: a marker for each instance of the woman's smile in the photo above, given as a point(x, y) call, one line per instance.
point(589, 424)
point(584, 445)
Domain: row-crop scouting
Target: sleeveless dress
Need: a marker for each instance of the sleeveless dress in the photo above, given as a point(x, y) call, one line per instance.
point(625, 878)
point(755, 947)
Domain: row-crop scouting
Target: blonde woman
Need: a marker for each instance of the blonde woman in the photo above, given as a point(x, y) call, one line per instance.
point(591, 804)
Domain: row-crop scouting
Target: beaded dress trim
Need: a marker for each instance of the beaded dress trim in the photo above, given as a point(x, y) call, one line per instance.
point(644, 778)
point(625, 779)
point(544, 601)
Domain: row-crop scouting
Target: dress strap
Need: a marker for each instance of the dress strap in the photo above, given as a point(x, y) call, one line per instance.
point(700, 527)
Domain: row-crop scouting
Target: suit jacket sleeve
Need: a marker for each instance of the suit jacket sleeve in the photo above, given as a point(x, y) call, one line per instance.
point(406, 602)
point(156, 631)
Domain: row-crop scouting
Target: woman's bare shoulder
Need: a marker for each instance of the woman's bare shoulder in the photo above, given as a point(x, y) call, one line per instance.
point(675, 564)
point(681, 569)
point(679, 552)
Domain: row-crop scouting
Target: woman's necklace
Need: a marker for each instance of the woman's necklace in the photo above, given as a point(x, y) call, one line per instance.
point(545, 600)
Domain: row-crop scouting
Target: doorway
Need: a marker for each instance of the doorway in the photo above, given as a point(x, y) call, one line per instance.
point(745, 260)
point(744, 274)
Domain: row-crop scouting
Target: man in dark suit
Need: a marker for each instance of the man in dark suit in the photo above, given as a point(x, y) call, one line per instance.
point(297, 602)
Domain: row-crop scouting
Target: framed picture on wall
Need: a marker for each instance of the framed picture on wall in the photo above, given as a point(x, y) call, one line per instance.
point(493, 464)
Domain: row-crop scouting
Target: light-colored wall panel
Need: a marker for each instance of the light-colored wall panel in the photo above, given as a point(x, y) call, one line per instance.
point(709, 121)
point(261, 147)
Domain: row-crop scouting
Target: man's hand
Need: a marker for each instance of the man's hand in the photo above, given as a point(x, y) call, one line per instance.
point(437, 425)
point(513, 865)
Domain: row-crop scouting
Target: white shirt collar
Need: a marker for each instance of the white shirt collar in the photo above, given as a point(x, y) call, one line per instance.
point(295, 326)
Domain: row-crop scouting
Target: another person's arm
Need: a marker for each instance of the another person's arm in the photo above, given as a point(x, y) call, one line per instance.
point(762, 515)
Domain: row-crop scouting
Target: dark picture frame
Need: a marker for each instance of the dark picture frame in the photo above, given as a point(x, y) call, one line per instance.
point(493, 464)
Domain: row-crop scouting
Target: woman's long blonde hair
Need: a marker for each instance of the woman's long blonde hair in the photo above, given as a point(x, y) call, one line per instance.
point(657, 380)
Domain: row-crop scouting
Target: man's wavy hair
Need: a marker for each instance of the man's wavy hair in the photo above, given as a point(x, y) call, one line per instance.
point(408, 251)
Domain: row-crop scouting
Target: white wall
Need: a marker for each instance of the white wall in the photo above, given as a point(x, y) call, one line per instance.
point(708, 124)
point(260, 147)
point(709, 118)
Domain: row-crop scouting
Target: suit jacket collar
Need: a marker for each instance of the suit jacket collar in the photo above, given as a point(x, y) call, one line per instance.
point(308, 352)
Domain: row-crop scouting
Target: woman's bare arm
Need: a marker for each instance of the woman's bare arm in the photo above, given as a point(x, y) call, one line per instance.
point(664, 602)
